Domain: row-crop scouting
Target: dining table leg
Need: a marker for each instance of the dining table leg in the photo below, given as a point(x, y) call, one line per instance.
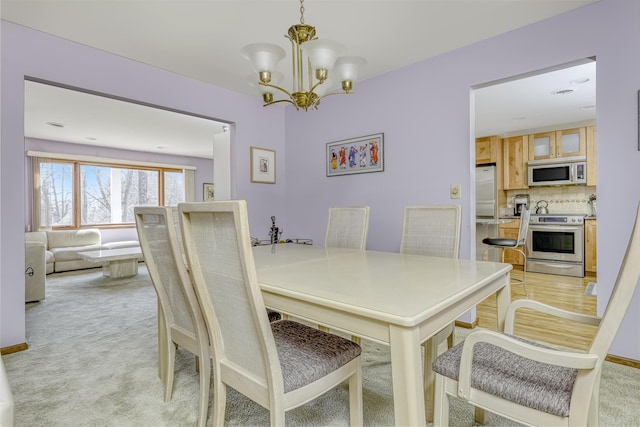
point(503, 300)
point(430, 354)
point(406, 372)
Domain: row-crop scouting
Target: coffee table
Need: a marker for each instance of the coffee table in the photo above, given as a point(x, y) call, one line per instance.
point(116, 262)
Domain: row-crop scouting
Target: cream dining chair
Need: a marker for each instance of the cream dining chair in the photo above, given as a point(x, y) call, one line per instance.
point(279, 365)
point(432, 231)
point(183, 322)
point(347, 227)
point(529, 382)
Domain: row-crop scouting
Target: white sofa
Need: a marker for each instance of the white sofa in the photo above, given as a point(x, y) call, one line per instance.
point(62, 247)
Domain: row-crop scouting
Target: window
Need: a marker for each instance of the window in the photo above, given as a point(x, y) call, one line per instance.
point(75, 194)
point(56, 194)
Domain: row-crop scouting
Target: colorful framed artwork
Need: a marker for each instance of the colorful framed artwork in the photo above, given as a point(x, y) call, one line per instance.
point(357, 155)
point(263, 165)
point(208, 192)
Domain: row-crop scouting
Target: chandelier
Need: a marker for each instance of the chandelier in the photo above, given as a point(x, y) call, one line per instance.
point(316, 64)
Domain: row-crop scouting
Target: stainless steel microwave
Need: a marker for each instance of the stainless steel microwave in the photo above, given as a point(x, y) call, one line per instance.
point(558, 172)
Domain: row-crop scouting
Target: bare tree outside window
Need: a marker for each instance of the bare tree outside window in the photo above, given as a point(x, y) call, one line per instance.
point(56, 194)
point(173, 188)
point(108, 194)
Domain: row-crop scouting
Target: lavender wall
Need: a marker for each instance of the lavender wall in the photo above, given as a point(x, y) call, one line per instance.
point(29, 53)
point(424, 112)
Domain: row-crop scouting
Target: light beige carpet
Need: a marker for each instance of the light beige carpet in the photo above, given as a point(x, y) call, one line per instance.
point(92, 361)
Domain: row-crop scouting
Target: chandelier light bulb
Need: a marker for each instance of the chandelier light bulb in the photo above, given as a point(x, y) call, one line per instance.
point(323, 53)
point(263, 56)
point(346, 67)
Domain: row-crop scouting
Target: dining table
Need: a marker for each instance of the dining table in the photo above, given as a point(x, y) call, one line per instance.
point(391, 298)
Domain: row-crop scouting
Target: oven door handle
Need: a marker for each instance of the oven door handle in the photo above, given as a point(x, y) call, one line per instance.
point(567, 228)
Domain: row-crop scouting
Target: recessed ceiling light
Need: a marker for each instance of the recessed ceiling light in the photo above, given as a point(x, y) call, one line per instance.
point(562, 92)
point(580, 81)
point(56, 124)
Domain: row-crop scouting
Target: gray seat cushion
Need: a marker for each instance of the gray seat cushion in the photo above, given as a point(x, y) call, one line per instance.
point(308, 354)
point(501, 373)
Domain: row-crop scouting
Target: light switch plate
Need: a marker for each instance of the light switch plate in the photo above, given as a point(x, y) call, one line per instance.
point(454, 191)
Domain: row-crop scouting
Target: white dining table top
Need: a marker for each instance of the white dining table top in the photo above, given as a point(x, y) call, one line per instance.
point(398, 289)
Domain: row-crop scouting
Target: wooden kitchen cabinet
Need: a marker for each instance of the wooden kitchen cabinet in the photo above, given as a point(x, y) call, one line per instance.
point(591, 155)
point(557, 144)
point(590, 255)
point(510, 231)
point(488, 150)
point(515, 155)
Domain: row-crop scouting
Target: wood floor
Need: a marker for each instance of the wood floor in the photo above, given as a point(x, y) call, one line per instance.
point(560, 291)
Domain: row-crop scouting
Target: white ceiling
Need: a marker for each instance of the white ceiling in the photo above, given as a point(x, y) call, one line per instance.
point(202, 39)
point(97, 120)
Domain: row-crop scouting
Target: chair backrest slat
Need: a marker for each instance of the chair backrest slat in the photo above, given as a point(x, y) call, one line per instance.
point(157, 235)
point(524, 226)
point(431, 230)
point(217, 246)
point(347, 227)
point(621, 295)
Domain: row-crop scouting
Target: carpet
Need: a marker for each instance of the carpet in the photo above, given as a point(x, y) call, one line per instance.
point(92, 361)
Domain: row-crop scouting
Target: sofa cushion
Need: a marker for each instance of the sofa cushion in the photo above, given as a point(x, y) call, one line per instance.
point(71, 253)
point(48, 257)
point(73, 238)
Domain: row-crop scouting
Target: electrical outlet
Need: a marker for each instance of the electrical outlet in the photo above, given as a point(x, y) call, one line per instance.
point(454, 191)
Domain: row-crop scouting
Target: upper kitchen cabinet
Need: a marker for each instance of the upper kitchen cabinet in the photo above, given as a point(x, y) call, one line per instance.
point(515, 154)
point(488, 150)
point(591, 155)
point(562, 143)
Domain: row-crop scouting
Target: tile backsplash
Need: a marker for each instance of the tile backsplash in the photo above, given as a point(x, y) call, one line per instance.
point(561, 199)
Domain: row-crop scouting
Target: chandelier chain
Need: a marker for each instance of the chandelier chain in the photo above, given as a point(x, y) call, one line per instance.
point(302, 12)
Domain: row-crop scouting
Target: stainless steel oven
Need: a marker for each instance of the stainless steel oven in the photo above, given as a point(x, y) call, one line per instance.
point(555, 244)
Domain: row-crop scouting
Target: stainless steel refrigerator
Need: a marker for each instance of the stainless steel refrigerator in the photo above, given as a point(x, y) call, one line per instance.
point(486, 212)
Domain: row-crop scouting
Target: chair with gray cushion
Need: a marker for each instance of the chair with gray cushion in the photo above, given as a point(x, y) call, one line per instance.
point(347, 227)
point(177, 302)
point(432, 230)
point(530, 382)
point(279, 365)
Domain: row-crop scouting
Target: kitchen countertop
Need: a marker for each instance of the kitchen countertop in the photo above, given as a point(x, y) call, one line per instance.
point(492, 221)
point(512, 217)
